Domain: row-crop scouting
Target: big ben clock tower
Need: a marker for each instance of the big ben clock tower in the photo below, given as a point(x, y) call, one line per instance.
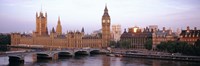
point(105, 28)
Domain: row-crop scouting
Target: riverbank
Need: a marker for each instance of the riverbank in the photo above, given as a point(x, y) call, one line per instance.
point(164, 57)
point(160, 57)
point(153, 55)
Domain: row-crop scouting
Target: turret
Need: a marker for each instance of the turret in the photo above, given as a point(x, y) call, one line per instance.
point(36, 14)
point(59, 27)
point(46, 14)
point(53, 30)
point(52, 33)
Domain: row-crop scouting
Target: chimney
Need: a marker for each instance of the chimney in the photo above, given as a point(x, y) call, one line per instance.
point(188, 28)
point(170, 31)
point(163, 29)
point(195, 28)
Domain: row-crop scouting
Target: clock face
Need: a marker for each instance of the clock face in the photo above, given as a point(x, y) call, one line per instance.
point(104, 21)
point(108, 21)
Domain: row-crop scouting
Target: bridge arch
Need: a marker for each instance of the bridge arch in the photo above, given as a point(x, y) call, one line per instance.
point(95, 52)
point(64, 54)
point(81, 52)
point(53, 56)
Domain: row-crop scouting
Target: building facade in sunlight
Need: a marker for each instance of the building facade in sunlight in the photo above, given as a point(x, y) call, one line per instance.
point(163, 35)
point(116, 32)
point(73, 39)
point(190, 35)
point(136, 37)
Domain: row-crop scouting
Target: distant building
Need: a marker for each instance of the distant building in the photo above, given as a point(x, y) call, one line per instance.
point(73, 39)
point(153, 28)
point(163, 36)
point(116, 32)
point(190, 35)
point(136, 37)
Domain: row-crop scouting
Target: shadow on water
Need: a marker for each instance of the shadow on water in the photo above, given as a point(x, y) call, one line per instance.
point(94, 54)
point(16, 64)
point(63, 58)
point(43, 61)
point(80, 56)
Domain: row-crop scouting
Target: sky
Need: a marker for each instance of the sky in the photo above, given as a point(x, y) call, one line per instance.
point(19, 15)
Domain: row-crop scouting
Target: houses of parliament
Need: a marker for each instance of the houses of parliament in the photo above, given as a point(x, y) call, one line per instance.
point(55, 38)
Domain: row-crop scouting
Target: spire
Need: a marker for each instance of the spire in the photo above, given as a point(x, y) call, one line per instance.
point(53, 31)
point(41, 13)
point(125, 30)
point(82, 29)
point(36, 14)
point(106, 11)
point(58, 20)
point(59, 27)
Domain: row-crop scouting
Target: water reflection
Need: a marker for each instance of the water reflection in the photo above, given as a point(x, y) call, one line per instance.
point(98, 60)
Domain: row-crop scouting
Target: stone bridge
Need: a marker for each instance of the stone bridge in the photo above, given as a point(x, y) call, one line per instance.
point(54, 54)
point(66, 53)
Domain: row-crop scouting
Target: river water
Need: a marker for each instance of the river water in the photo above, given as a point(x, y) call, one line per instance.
point(99, 60)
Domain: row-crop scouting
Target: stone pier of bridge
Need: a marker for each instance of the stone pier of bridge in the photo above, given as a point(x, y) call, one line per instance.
point(53, 55)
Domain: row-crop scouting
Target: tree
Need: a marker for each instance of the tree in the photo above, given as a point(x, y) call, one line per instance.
point(197, 43)
point(5, 39)
point(113, 44)
point(148, 44)
point(197, 47)
point(180, 47)
point(126, 44)
point(171, 46)
point(162, 46)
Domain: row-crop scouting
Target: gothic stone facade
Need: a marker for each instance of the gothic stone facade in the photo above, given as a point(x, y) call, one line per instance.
point(73, 39)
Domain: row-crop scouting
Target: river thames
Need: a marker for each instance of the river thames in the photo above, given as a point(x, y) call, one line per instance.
point(99, 60)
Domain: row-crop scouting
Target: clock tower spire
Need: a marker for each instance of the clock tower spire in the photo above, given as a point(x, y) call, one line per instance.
point(105, 28)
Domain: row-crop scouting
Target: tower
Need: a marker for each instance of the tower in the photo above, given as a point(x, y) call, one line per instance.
point(59, 27)
point(41, 24)
point(105, 28)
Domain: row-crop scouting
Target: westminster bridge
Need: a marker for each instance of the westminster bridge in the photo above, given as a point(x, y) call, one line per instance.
point(50, 53)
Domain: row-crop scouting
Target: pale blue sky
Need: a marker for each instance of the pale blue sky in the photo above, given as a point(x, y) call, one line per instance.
point(19, 15)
